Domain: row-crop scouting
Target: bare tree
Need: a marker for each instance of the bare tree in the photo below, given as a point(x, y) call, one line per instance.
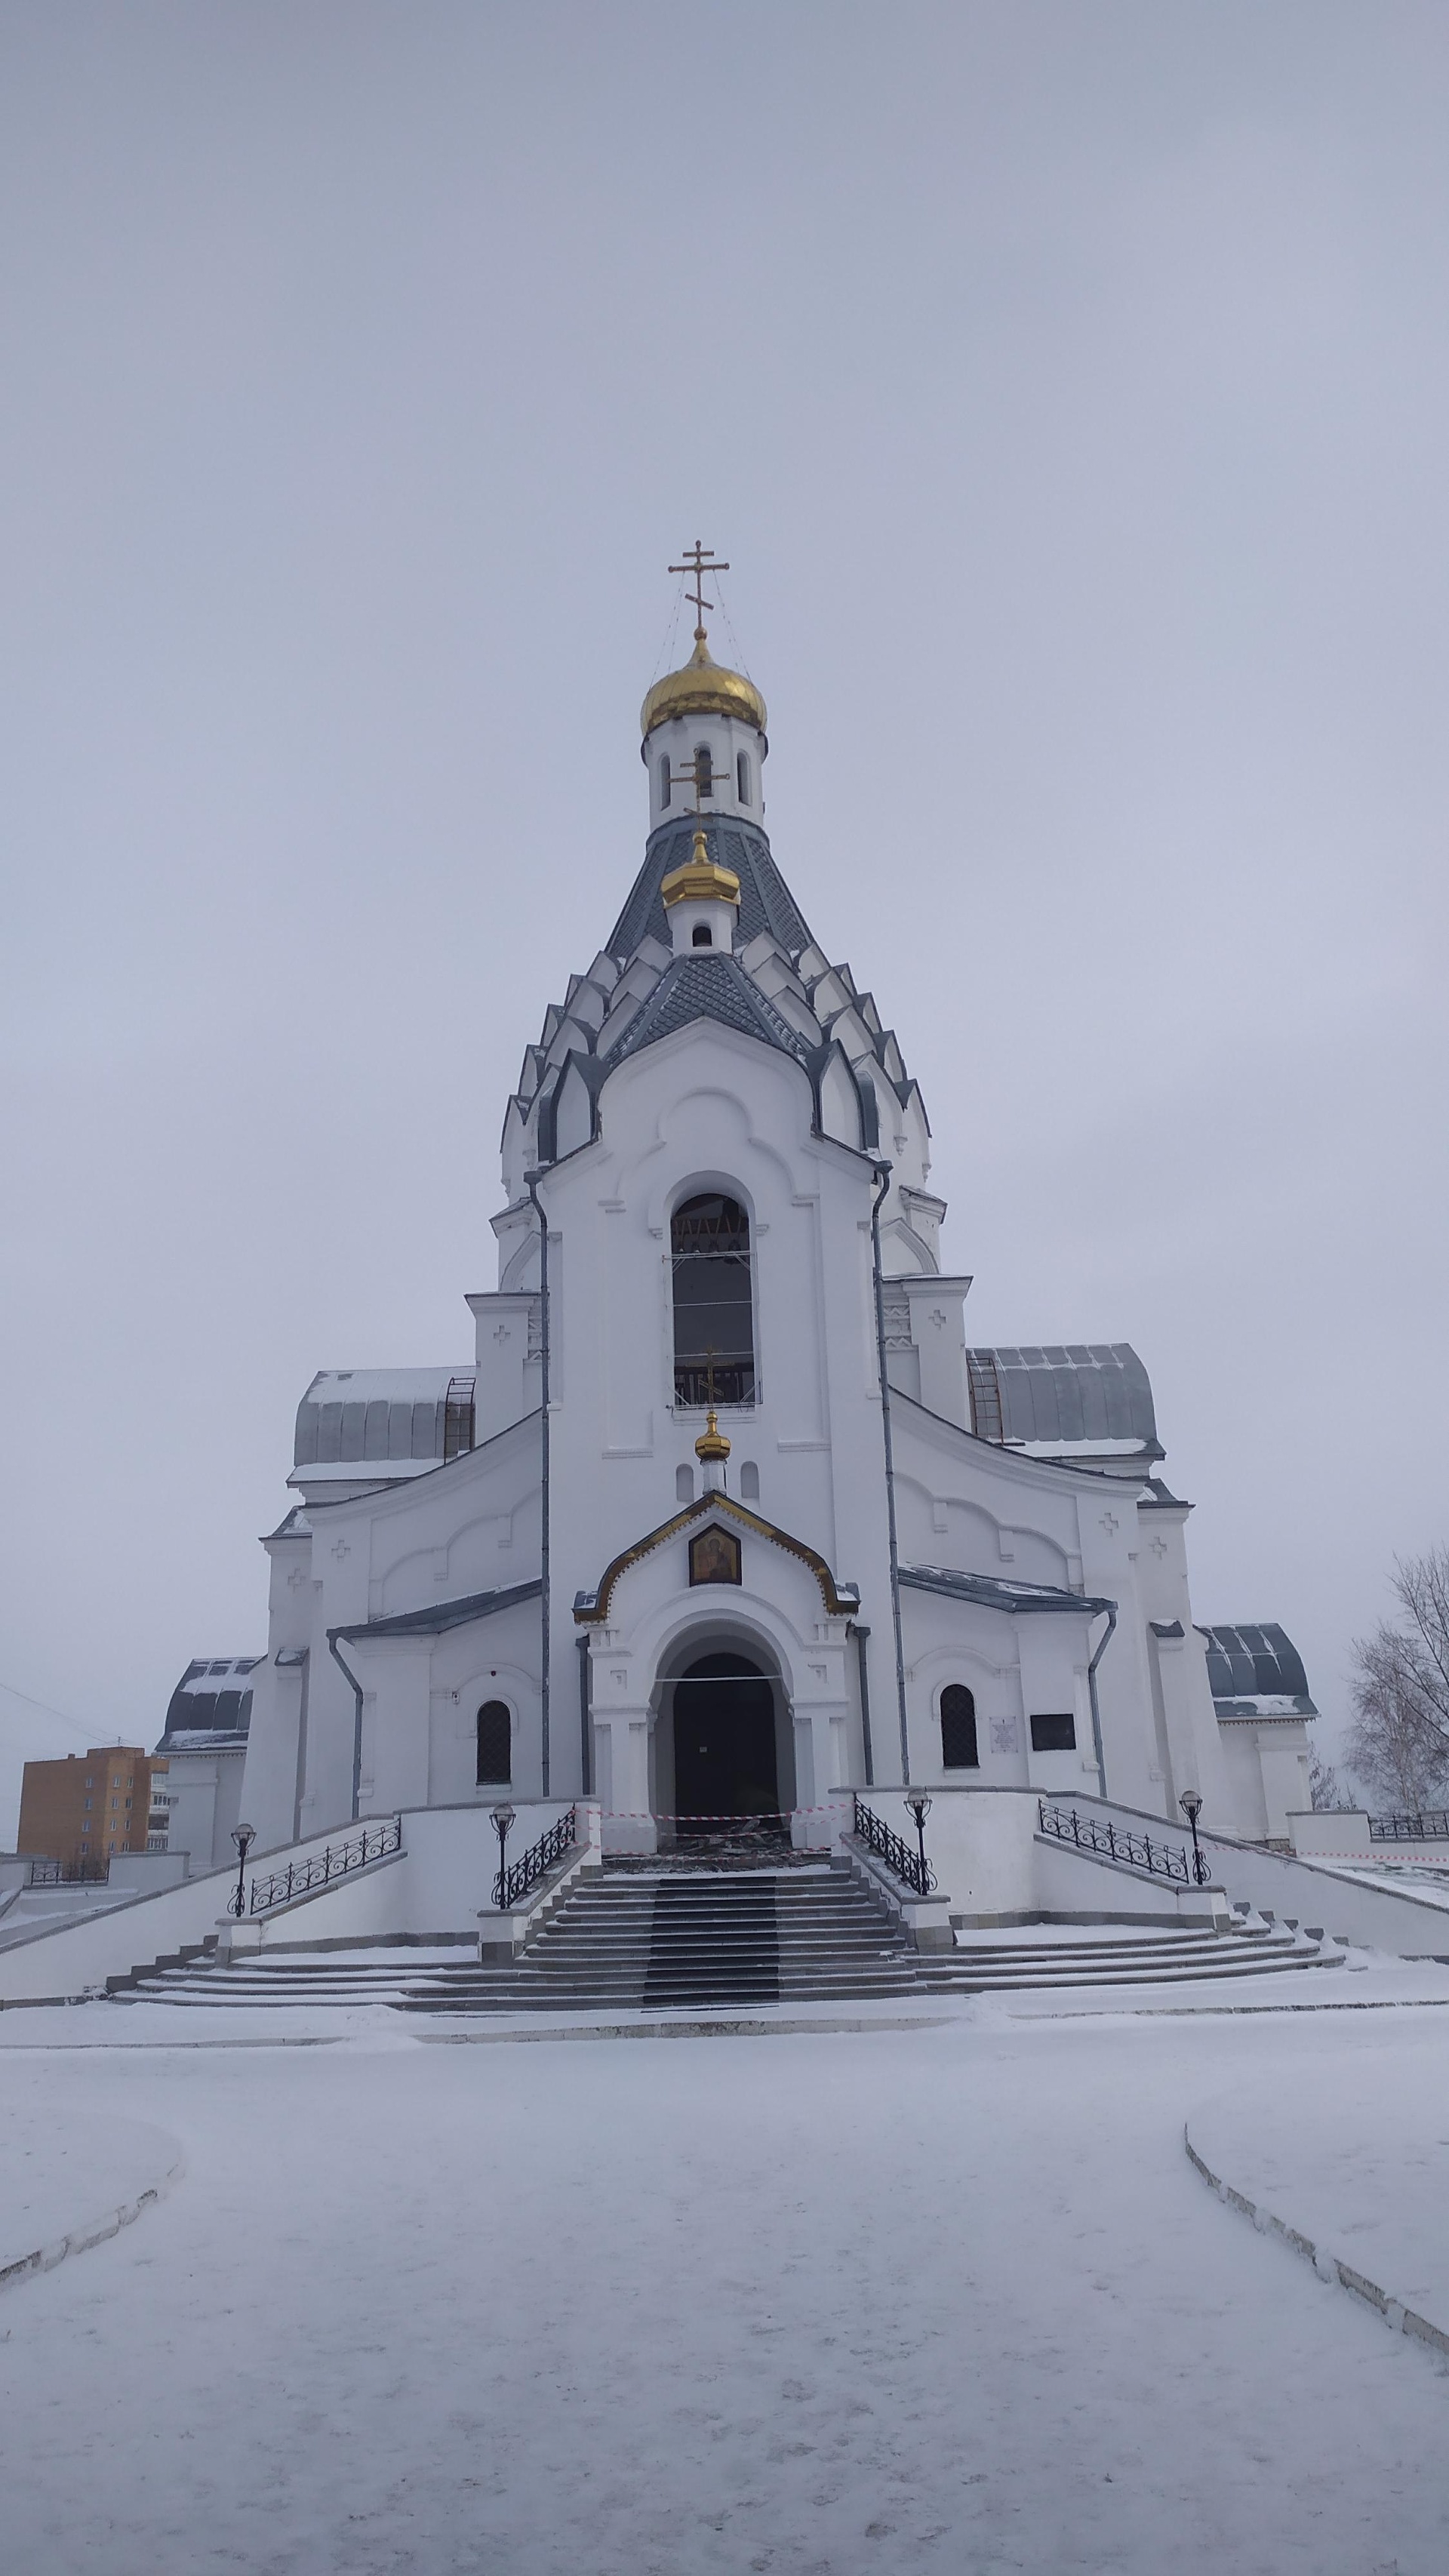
point(1398, 1744)
point(1324, 1791)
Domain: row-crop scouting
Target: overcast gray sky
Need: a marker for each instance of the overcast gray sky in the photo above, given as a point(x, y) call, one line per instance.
point(1066, 383)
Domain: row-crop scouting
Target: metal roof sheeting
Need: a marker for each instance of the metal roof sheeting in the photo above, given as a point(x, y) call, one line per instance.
point(213, 1697)
point(1248, 1663)
point(993, 1592)
point(352, 1415)
point(1065, 1395)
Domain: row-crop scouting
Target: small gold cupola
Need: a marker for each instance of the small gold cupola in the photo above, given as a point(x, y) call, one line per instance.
point(712, 1449)
point(701, 879)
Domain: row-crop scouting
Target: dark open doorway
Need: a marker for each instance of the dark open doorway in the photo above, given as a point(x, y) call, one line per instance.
point(724, 1744)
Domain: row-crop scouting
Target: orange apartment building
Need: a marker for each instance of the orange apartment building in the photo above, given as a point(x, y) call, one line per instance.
point(88, 1806)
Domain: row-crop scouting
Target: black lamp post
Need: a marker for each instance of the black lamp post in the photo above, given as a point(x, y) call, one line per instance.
point(243, 1836)
point(920, 1807)
point(502, 1818)
point(1191, 1805)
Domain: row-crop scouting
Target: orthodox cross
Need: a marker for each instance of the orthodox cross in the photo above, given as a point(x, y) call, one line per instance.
point(697, 774)
point(699, 560)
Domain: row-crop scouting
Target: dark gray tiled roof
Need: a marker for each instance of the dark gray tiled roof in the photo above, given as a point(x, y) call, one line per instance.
point(992, 1593)
point(1257, 1662)
point(444, 1614)
point(766, 902)
point(706, 985)
point(1068, 1392)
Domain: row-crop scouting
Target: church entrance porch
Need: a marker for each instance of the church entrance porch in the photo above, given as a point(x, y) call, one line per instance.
point(726, 1765)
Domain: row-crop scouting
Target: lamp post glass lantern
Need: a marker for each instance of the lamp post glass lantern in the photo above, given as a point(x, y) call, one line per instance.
point(920, 1807)
point(1191, 1805)
point(502, 1818)
point(243, 1836)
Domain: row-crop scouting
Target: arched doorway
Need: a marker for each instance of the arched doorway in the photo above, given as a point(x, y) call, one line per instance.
point(725, 1761)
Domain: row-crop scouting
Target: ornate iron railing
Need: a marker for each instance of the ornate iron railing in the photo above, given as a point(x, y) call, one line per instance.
point(900, 1860)
point(75, 1873)
point(336, 1861)
point(1431, 1825)
point(1114, 1842)
point(513, 1883)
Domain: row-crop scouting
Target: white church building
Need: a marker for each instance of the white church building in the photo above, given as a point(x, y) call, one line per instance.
point(725, 1513)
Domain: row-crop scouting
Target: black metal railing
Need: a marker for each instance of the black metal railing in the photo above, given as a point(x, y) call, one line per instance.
point(513, 1883)
point(1431, 1825)
point(900, 1860)
point(337, 1860)
point(68, 1873)
point(1114, 1842)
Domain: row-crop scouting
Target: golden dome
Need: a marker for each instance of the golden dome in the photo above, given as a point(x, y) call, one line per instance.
point(700, 879)
point(703, 688)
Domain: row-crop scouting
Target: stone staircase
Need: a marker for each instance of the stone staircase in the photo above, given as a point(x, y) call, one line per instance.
point(639, 1937)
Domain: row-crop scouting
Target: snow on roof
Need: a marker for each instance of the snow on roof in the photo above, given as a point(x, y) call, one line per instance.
point(1255, 1670)
point(388, 1417)
point(213, 1698)
point(1045, 1397)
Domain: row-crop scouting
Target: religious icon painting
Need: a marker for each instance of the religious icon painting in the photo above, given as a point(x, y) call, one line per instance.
point(714, 1556)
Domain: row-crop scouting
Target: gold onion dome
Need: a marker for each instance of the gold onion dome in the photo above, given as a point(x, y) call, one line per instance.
point(703, 688)
point(711, 1442)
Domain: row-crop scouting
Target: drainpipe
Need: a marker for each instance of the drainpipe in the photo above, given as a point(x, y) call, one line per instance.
point(1092, 1687)
point(585, 1766)
point(883, 1175)
point(861, 1635)
point(356, 1689)
point(530, 1182)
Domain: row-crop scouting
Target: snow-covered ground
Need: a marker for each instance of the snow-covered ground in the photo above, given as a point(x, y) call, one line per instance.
point(1361, 2171)
point(949, 2297)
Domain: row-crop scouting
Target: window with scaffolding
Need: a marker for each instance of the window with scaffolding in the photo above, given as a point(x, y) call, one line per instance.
point(458, 1417)
point(714, 1329)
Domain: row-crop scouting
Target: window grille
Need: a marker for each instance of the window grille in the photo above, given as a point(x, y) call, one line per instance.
point(958, 1729)
point(458, 1417)
point(495, 1745)
point(714, 1339)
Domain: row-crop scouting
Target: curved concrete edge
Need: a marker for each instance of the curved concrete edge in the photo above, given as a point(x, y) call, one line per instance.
point(44, 2258)
point(1329, 2267)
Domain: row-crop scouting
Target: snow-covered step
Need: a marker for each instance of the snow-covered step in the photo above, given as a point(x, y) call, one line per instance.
point(714, 1939)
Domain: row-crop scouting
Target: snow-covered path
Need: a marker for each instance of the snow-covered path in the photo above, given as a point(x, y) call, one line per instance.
point(941, 2299)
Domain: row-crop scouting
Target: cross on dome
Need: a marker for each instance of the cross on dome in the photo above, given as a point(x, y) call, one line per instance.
point(699, 560)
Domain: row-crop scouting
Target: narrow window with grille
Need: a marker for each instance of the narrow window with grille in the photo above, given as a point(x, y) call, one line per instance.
point(958, 1729)
point(714, 1335)
point(495, 1745)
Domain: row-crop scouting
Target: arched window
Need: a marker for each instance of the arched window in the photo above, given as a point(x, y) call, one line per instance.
point(742, 776)
point(714, 1337)
point(664, 780)
point(749, 1482)
point(958, 1729)
point(703, 935)
point(495, 1745)
point(704, 769)
point(684, 1484)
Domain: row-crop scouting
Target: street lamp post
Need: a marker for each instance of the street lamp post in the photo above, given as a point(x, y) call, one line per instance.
point(1191, 1805)
point(920, 1807)
point(502, 1818)
point(243, 1836)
